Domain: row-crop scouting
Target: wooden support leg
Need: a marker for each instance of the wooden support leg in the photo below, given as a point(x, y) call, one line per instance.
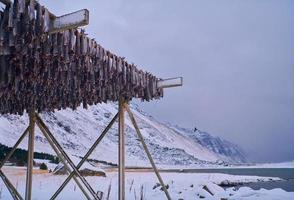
point(14, 193)
point(14, 148)
point(147, 151)
point(47, 133)
point(12, 190)
point(85, 157)
point(121, 161)
point(29, 179)
point(66, 166)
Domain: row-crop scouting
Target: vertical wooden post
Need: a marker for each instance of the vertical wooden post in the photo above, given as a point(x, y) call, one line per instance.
point(121, 159)
point(29, 179)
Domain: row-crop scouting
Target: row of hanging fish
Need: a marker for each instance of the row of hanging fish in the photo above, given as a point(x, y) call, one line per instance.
point(44, 72)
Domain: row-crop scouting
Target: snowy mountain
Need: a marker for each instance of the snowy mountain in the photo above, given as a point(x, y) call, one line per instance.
point(227, 150)
point(77, 130)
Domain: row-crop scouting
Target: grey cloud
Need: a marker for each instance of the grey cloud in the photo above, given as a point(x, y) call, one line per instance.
point(236, 58)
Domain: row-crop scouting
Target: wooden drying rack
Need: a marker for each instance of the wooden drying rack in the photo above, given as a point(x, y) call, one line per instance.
point(57, 24)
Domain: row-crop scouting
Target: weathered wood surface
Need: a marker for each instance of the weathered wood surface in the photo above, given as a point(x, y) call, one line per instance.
point(171, 82)
point(56, 24)
point(70, 21)
point(47, 71)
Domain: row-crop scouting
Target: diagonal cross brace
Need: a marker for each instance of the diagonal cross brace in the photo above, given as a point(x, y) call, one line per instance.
point(85, 157)
point(60, 153)
point(12, 190)
point(47, 132)
point(14, 148)
point(67, 168)
point(131, 116)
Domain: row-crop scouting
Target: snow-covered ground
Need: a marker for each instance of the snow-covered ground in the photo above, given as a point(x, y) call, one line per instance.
point(181, 186)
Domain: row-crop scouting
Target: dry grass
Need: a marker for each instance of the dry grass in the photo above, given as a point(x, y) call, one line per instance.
point(20, 171)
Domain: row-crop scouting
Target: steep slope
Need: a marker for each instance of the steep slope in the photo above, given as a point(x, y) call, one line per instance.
point(77, 130)
point(228, 151)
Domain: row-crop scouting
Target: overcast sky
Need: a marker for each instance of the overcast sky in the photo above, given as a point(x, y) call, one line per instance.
point(236, 58)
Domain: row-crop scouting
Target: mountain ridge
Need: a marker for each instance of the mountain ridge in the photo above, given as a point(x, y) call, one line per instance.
point(77, 130)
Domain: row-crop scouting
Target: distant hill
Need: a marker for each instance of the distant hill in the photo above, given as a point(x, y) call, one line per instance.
point(169, 144)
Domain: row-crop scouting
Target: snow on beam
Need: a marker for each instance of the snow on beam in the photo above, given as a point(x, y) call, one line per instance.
point(69, 21)
point(64, 22)
point(171, 82)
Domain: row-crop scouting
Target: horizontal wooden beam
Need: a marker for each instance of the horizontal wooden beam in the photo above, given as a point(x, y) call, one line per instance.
point(70, 21)
point(64, 22)
point(170, 82)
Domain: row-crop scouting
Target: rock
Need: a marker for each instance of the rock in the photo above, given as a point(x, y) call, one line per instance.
point(156, 186)
point(208, 190)
point(226, 183)
point(202, 194)
point(212, 188)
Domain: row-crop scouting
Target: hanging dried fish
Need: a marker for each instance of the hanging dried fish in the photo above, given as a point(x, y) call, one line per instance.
point(46, 20)
point(47, 71)
point(22, 5)
point(32, 9)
